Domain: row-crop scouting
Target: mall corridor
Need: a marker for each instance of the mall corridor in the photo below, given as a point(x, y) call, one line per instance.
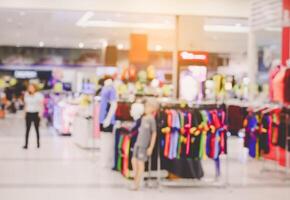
point(145, 100)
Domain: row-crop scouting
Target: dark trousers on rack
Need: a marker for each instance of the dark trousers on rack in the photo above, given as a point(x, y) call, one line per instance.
point(29, 119)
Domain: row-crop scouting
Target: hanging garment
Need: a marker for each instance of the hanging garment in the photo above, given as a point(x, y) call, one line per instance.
point(126, 159)
point(174, 135)
point(167, 132)
point(236, 117)
point(272, 76)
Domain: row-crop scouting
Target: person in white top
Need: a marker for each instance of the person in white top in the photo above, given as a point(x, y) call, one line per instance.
point(33, 101)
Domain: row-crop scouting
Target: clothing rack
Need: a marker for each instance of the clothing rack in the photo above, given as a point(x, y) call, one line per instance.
point(174, 104)
point(287, 153)
point(287, 144)
point(206, 105)
point(269, 108)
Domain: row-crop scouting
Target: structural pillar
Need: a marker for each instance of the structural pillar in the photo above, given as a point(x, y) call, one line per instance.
point(175, 59)
point(285, 52)
point(252, 55)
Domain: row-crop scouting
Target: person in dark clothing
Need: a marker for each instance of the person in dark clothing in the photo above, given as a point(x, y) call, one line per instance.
point(33, 108)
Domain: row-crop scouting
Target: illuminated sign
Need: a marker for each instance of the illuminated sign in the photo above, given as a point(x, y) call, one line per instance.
point(193, 56)
point(25, 74)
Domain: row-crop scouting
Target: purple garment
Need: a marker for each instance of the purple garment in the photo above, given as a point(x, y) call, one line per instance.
point(174, 135)
point(174, 145)
point(108, 94)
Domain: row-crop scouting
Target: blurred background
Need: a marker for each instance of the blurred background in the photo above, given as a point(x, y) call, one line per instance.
point(226, 62)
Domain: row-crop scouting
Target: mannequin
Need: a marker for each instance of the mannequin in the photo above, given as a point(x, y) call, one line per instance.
point(108, 106)
point(137, 110)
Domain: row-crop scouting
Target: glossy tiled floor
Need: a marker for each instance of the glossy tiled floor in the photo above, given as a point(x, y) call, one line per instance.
point(61, 170)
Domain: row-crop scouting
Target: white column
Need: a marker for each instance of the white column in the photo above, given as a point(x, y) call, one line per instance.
point(252, 55)
point(175, 59)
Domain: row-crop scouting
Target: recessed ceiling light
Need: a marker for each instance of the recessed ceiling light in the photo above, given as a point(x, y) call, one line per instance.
point(238, 24)
point(104, 42)
point(158, 47)
point(120, 46)
point(41, 43)
point(81, 45)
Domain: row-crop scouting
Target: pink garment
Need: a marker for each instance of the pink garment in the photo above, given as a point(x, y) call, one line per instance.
point(272, 75)
point(279, 86)
point(96, 121)
point(187, 131)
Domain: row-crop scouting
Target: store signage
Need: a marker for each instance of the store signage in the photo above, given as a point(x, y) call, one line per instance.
point(193, 56)
point(25, 74)
point(138, 53)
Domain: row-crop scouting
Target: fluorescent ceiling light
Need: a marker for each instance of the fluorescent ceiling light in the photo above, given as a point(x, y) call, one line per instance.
point(86, 21)
point(273, 29)
point(226, 28)
point(120, 46)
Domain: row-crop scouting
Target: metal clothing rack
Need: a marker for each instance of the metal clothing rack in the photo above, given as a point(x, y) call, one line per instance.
point(205, 105)
point(264, 169)
point(287, 153)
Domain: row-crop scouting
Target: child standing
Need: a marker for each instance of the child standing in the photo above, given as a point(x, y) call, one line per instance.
point(145, 143)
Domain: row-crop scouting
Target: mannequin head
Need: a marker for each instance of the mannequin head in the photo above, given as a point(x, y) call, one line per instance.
point(137, 110)
point(108, 80)
point(151, 106)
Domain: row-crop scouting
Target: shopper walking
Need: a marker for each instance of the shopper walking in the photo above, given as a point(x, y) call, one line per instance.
point(33, 101)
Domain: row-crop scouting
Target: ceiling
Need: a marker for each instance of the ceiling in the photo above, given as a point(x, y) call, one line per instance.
point(60, 29)
point(94, 30)
point(53, 23)
point(216, 8)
